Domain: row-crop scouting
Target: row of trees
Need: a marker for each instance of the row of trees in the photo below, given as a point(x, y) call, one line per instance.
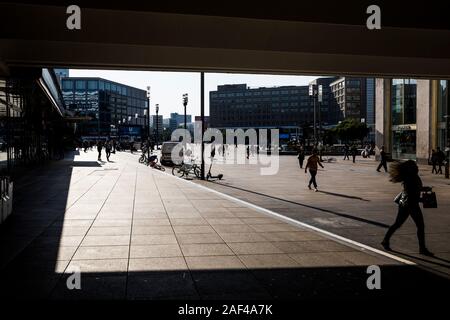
point(351, 130)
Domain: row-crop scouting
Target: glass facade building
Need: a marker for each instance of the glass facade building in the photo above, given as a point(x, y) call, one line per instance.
point(412, 117)
point(103, 107)
point(32, 125)
point(370, 107)
point(404, 111)
point(443, 110)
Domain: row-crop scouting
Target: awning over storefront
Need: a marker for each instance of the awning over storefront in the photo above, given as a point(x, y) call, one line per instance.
point(49, 84)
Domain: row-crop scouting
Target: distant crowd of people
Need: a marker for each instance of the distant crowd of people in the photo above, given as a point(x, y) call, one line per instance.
point(110, 146)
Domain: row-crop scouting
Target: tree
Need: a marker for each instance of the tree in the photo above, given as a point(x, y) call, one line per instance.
point(351, 129)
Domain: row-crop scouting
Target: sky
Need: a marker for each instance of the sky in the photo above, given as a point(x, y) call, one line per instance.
point(167, 88)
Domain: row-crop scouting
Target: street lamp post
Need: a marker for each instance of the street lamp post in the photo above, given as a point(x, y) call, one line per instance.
point(312, 94)
point(319, 100)
point(157, 125)
point(148, 121)
point(185, 102)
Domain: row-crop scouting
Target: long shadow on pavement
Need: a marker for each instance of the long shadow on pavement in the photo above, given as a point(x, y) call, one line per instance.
point(340, 214)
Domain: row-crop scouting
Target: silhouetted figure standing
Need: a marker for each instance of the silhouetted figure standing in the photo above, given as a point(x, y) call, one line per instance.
point(301, 156)
point(440, 159)
point(85, 145)
point(383, 160)
point(346, 152)
point(108, 148)
point(99, 149)
point(408, 202)
point(434, 161)
point(354, 152)
point(312, 164)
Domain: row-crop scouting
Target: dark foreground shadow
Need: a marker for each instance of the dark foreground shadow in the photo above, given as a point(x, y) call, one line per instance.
point(312, 283)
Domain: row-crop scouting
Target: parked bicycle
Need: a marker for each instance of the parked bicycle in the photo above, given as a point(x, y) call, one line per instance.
point(151, 161)
point(186, 169)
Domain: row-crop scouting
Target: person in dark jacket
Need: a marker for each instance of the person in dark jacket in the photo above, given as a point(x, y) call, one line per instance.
point(346, 152)
point(108, 148)
point(354, 152)
point(99, 149)
point(434, 161)
point(408, 174)
point(440, 159)
point(383, 160)
point(301, 156)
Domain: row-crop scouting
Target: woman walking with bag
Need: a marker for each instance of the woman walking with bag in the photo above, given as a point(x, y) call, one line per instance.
point(408, 202)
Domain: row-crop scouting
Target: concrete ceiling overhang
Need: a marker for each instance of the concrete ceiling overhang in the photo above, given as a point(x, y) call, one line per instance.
point(127, 38)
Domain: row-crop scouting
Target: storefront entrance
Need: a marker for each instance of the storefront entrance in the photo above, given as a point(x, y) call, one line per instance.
point(404, 142)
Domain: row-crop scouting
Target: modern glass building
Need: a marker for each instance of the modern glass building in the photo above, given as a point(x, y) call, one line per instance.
point(443, 110)
point(404, 111)
point(370, 107)
point(33, 128)
point(105, 108)
point(412, 117)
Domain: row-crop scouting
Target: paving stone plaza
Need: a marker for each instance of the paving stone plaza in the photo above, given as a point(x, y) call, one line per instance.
point(136, 233)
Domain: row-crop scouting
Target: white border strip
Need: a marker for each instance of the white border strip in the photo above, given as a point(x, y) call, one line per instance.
point(298, 223)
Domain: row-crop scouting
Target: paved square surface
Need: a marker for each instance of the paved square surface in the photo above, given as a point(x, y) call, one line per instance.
point(135, 233)
point(353, 201)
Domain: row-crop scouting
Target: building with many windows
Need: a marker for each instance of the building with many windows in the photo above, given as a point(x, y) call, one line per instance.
point(289, 108)
point(370, 107)
point(350, 95)
point(106, 108)
point(412, 117)
point(157, 123)
point(177, 119)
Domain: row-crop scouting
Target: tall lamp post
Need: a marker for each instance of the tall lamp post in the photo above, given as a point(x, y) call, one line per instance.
point(157, 125)
point(319, 100)
point(185, 102)
point(147, 112)
point(313, 93)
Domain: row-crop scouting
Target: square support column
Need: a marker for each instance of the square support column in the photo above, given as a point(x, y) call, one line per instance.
point(423, 121)
point(383, 119)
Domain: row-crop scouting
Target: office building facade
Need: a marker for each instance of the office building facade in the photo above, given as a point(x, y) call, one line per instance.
point(411, 117)
point(350, 95)
point(289, 108)
point(370, 108)
point(177, 119)
point(106, 108)
point(157, 123)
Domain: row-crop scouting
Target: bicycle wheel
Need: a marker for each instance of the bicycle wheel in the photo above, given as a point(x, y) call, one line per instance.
point(197, 171)
point(142, 158)
point(178, 171)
